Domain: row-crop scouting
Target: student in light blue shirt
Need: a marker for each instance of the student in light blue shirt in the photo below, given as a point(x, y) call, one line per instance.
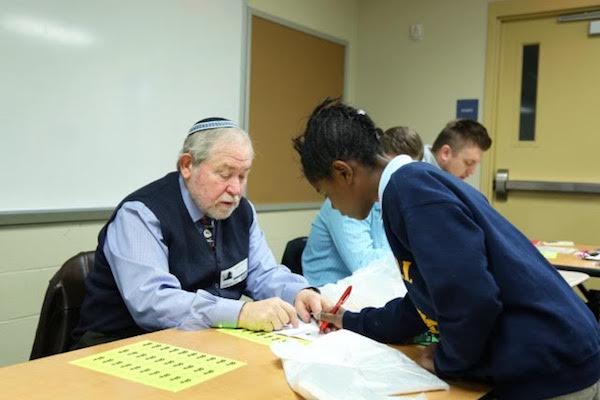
point(337, 245)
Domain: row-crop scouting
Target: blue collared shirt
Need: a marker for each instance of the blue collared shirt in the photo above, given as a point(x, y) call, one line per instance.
point(429, 157)
point(138, 259)
point(338, 246)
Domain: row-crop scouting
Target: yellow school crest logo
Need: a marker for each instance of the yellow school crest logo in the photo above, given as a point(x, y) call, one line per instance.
point(404, 269)
point(431, 324)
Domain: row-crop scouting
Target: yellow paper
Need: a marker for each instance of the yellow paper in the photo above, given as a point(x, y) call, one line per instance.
point(159, 365)
point(259, 337)
point(550, 255)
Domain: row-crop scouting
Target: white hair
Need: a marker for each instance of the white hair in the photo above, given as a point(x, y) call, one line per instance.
point(199, 145)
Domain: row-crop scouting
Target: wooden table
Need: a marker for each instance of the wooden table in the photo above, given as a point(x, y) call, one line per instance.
point(262, 378)
point(570, 262)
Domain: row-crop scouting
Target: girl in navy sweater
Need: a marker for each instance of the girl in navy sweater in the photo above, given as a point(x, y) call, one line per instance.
point(503, 313)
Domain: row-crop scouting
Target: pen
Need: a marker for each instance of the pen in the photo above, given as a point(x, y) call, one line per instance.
point(336, 307)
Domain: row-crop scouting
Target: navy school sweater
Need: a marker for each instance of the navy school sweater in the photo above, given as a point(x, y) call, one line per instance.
point(504, 314)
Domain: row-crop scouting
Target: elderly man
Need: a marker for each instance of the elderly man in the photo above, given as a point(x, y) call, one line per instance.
point(459, 147)
point(182, 250)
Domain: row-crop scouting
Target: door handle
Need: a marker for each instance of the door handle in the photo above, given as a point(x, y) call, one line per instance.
point(502, 185)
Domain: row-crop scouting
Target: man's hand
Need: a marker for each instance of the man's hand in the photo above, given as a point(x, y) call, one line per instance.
point(308, 302)
point(267, 315)
point(426, 359)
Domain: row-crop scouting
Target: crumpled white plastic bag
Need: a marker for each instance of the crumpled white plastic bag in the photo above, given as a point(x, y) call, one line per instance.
point(372, 286)
point(344, 364)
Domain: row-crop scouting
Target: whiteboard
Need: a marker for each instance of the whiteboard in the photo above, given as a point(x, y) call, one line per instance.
point(96, 96)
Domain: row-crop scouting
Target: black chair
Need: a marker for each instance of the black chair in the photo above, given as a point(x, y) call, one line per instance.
point(292, 255)
point(60, 310)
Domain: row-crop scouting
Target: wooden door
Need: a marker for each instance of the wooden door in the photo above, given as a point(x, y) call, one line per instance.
point(547, 126)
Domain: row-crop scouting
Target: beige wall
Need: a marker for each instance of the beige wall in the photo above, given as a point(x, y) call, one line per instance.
point(30, 256)
point(283, 226)
point(417, 83)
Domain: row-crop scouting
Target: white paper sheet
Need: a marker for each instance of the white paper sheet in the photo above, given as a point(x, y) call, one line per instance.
point(343, 365)
point(306, 331)
point(558, 243)
point(557, 249)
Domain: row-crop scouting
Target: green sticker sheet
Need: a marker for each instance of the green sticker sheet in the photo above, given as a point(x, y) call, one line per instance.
point(259, 337)
point(549, 255)
point(159, 365)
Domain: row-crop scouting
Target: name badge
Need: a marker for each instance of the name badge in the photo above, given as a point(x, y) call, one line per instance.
point(234, 275)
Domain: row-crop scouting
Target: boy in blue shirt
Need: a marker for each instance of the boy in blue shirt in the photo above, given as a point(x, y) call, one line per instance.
point(503, 313)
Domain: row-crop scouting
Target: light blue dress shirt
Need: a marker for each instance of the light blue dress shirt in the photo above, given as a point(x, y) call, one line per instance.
point(429, 157)
point(138, 259)
point(338, 246)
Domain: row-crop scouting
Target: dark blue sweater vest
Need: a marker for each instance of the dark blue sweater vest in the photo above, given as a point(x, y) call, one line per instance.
point(503, 313)
point(191, 259)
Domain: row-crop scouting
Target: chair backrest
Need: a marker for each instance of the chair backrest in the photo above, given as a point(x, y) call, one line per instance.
point(292, 255)
point(60, 310)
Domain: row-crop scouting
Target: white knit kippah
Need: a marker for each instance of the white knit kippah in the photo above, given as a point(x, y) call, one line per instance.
point(211, 123)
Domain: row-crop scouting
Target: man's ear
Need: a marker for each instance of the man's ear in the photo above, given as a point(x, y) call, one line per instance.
point(342, 171)
point(445, 152)
point(185, 165)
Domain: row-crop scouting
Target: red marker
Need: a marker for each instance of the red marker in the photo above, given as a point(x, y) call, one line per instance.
point(336, 307)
